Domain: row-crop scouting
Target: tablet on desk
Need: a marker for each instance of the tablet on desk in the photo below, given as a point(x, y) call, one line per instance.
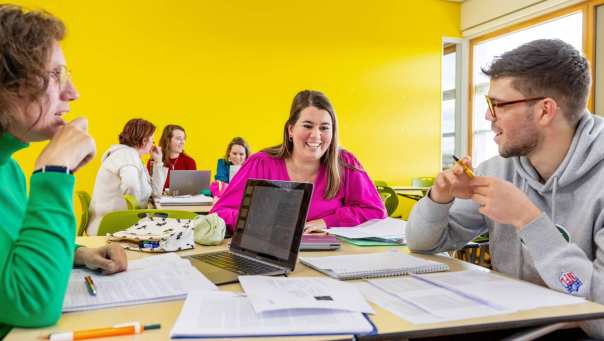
point(318, 242)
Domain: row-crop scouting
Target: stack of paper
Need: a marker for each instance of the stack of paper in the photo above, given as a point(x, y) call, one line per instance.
point(151, 279)
point(383, 230)
point(186, 200)
point(459, 295)
point(276, 306)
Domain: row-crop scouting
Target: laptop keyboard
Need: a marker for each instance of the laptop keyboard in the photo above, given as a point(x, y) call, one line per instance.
point(235, 263)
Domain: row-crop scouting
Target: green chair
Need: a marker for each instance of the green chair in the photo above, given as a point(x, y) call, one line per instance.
point(422, 181)
point(131, 202)
point(388, 196)
point(85, 216)
point(121, 220)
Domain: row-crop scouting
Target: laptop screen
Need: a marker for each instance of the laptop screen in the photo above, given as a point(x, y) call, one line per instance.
point(271, 220)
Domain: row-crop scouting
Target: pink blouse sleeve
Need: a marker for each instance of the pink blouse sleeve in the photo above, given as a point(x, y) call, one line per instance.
point(362, 201)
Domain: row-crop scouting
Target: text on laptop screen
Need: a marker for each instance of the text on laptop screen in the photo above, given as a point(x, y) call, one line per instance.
point(270, 219)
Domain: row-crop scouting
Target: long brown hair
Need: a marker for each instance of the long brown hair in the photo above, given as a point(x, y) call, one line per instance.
point(166, 137)
point(240, 142)
point(331, 159)
point(26, 39)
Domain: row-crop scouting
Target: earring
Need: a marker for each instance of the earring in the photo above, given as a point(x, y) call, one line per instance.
point(291, 138)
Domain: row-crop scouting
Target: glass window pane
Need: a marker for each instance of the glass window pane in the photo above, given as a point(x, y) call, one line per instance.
point(568, 28)
point(599, 81)
point(448, 148)
point(448, 103)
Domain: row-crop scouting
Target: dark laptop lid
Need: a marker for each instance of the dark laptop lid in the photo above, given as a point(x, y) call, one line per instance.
point(271, 220)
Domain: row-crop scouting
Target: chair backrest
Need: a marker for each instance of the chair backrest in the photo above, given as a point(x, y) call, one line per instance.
point(388, 196)
point(423, 181)
point(85, 216)
point(131, 202)
point(476, 252)
point(121, 220)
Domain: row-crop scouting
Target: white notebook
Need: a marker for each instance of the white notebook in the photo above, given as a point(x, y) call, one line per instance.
point(372, 265)
point(165, 277)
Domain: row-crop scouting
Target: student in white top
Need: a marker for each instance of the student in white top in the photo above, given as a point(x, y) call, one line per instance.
point(122, 172)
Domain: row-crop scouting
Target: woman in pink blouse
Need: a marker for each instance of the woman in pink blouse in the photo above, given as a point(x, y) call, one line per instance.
point(343, 195)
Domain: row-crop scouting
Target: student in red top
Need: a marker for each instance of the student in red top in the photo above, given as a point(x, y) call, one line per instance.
point(172, 143)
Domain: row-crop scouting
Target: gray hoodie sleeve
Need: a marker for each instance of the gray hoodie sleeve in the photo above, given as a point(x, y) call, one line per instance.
point(434, 227)
point(554, 256)
point(564, 266)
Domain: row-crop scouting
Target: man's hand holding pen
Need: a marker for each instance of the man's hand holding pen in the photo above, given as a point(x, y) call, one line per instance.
point(499, 200)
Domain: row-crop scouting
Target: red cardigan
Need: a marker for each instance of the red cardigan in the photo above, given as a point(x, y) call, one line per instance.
point(182, 162)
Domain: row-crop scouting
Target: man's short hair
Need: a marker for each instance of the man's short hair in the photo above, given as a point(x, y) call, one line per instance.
point(547, 67)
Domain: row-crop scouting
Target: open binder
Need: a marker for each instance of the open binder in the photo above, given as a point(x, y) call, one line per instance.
point(372, 265)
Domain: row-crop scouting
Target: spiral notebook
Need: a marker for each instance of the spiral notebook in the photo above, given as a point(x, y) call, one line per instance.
point(384, 264)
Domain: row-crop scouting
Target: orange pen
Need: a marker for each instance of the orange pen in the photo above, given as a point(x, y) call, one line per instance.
point(118, 329)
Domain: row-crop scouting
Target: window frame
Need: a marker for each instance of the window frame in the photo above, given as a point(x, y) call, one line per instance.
point(587, 8)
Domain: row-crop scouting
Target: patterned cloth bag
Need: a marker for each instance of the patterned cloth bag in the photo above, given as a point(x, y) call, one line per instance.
point(157, 234)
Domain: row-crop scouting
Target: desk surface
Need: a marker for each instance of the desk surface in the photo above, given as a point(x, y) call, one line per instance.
point(386, 322)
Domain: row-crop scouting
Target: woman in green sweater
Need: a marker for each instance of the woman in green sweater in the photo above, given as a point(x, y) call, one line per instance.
point(37, 231)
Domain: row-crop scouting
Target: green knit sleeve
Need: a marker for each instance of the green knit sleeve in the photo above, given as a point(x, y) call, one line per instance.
point(35, 268)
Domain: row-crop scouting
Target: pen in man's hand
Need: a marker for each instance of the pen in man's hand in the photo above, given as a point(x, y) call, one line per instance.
point(466, 169)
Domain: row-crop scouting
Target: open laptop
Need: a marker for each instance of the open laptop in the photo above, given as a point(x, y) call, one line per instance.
point(189, 182)
point(267, 236)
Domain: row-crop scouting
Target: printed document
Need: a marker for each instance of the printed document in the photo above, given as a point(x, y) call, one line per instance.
point(279, 293)
point(226, 314)
point(158, 278)
point(458, 295)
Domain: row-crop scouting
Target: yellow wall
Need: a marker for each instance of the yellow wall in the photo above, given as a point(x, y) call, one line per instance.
point(227, 68)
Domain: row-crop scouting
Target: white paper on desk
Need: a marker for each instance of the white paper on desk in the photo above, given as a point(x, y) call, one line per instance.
point(435, 300)
point(400, 308)
point(511, 293)
point(198, 199)
point(387, 229)
point(279, 293)
point(151, 279)
point(226, 314)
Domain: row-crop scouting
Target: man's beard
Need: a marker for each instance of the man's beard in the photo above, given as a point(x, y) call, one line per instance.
point(525, 141)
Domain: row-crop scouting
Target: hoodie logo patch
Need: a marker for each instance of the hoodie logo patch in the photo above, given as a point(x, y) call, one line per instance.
point(564, 232)
point(570, 282)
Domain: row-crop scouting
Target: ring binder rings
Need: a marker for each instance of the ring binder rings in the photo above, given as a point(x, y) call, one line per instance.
point(384, 264)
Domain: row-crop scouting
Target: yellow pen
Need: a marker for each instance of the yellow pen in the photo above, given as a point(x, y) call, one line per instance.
point(466, 169)
point(90, 285)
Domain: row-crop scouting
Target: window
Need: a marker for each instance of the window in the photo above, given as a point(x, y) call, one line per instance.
point(568, 28)
point(448, 105)
point(599, 63)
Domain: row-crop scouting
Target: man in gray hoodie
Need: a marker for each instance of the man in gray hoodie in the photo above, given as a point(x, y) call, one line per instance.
point(542, 199)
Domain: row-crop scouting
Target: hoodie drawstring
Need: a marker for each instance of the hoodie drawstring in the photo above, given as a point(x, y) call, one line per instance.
point(554, 192)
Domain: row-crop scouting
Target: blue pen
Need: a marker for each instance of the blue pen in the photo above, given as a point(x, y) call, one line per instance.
point(148, 244)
